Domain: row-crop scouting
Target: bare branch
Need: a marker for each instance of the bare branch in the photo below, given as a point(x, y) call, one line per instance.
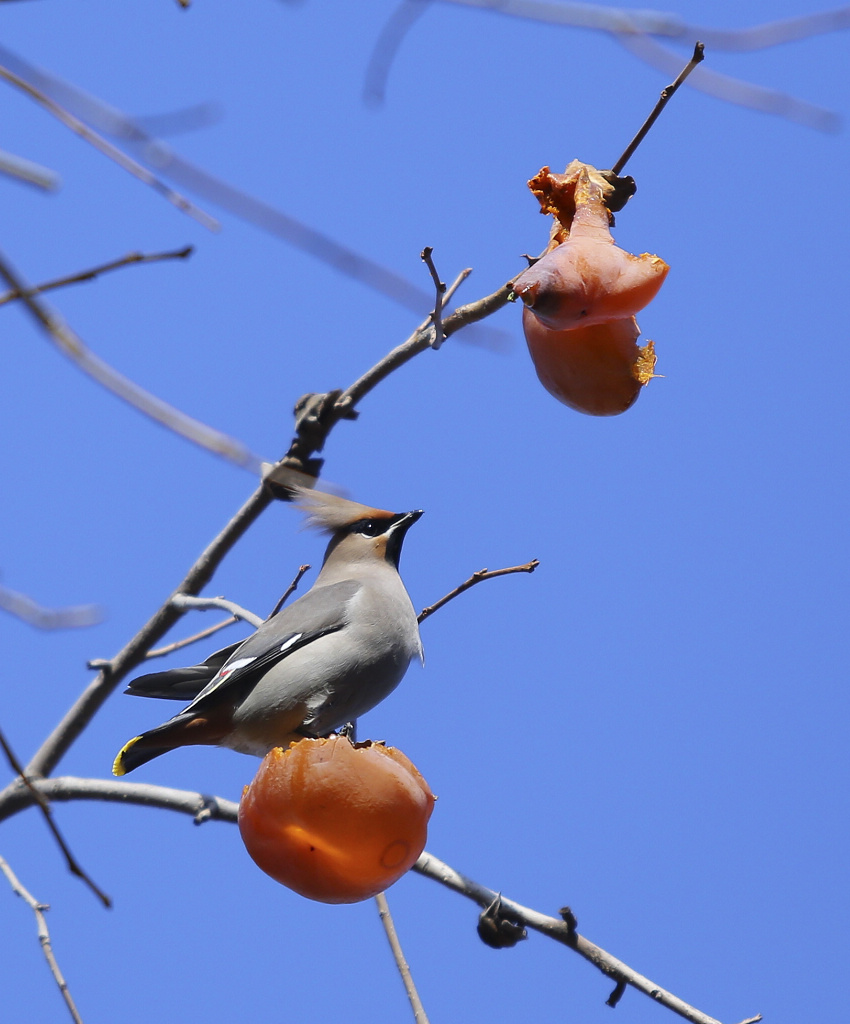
point(184, 601)
point(421, 339)
point(731, 90)
point(90, 700)
point(90, 275)
point(634, 29)
point(43, 937)
point(262, 215)
point(476, 577)
point(386, 917)
point(72, 346)
point(128, 164)
point(44, 806)
point(208, 807)
point(75, 616)
point(387, 46)
point(159, 652)
point(19, 796)
point(617, 994)
point(290, 590)
point(437, 316)
point(28, 172)
point(666, 94)
point(560, 931)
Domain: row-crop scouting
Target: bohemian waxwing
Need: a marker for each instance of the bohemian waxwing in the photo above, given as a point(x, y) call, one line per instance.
point(318, 663)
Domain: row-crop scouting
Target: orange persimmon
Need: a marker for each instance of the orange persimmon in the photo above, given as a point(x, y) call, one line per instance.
point(587, 279)
point(597, 370)
point(335, 821)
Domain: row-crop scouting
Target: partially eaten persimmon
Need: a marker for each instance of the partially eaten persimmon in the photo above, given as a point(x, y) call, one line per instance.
point(598, 370)
point(587, 279)
point(581, 296)
point(335, 821)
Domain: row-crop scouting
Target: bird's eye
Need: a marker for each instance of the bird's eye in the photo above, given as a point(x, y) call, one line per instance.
point(369, 528)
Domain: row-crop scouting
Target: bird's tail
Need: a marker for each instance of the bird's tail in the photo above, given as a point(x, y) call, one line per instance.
point(180, 731)
point(136, 753)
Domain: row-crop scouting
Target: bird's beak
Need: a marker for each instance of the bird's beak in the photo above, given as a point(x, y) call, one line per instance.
point(395, 535)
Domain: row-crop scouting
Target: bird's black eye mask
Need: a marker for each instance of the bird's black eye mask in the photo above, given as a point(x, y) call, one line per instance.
point(394, 528)
point(371, 527)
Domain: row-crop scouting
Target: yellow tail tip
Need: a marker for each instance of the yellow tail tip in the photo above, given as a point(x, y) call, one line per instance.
point(118, 764)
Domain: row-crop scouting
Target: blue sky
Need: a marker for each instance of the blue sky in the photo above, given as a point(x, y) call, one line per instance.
point(653, 727)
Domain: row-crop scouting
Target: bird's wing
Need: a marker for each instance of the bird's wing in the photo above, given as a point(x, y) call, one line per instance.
point(181, 683)
point(320, 611)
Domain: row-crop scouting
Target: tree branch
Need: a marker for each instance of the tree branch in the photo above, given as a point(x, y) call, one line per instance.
point(75, 616)
point(27, 171)
point(115, 154)
point(198, 806)
point(476, 577)
point(89, 275)
point(159, 652)
point(184, 602)
point(72, 346)
point(663, 100)
point(422, 338)
point(386, 917)
point(90, 700)
point(47, 813)
point(43, 937)
point(290, 590)
point(427, 256)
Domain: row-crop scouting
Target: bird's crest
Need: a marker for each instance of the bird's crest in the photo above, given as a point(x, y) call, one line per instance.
point(329, 512)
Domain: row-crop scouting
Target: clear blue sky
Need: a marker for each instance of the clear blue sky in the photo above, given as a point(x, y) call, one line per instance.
point(653, 727)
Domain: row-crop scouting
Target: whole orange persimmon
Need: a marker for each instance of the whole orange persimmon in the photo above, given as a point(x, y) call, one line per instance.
point(597, 370)
point(335, 821)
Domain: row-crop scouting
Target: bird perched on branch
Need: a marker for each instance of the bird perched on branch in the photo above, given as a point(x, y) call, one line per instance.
point(318, 663)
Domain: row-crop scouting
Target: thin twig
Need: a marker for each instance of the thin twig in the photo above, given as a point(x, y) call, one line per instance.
point(386, 917)
point(47, 813)
point(427, 256)
point(387, 45)
point(27, 171)
point(556, 929)
point(217, 808)
point(476, 577)
point(72, 346)
point(636, 29)
point(290, 590)
point(666, 94)
point(90, 275)
point(728, 89)
point(124, 161)
point(421, 339)
point(43, 936)
point(617, 994)
point(159, 652)
point(184, 601)
point(75, 616)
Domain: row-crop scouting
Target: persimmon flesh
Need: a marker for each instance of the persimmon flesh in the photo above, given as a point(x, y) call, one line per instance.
point(335, 821)
point(587, 279)
point(597, 370)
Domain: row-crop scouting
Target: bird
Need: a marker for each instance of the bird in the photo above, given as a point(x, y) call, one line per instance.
point(315, 665)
